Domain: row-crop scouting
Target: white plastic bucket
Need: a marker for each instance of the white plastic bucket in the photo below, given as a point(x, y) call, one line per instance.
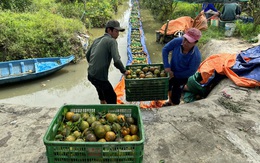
point(229, 29)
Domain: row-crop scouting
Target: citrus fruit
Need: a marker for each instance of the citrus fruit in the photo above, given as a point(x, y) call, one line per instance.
point(75, 117)
point(70, 138)
point(110, 136)
point(100, 131)
point(83, 125)
point(69, 115)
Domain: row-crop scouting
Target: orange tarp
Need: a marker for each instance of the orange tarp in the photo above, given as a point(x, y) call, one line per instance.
point(179, 24)
point(221, 63)
point(185, 22)
point(120, 91)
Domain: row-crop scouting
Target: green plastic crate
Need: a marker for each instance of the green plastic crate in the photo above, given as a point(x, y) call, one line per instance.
point(146, 89)
point(94, 152)
point(139, 61)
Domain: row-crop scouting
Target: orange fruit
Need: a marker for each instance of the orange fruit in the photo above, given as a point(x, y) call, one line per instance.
point(135, 138)
point(133, 129)
point(128, 138)
point(121, 118)
point(70, 138)
point(102, 140)
point(110, 136)
point(111, 117)
point(83, 125)
point(69, 115)
point(100, 131)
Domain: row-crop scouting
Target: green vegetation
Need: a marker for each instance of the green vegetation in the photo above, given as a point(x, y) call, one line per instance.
point(99, 13)
point(212, 32)
point(25, 35)
point(248, 31)
point(48, 28)
point(15, 5)
point(185, 9)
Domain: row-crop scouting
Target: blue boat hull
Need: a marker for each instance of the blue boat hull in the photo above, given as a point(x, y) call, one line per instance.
point(28, 69)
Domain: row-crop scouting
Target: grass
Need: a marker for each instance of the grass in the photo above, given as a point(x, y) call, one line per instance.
point(211, 32)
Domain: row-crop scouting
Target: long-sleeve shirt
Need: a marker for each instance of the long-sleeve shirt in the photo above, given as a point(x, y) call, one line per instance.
point(182, 65)
point(100, 55)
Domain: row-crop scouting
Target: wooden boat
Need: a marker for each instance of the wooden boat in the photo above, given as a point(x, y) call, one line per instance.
point(27, 69)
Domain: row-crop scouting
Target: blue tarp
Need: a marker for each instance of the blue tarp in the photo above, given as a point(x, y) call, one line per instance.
point(248, 63)
point(246, 66)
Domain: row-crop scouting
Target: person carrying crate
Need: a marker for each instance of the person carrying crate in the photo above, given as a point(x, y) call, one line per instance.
point(184, 62)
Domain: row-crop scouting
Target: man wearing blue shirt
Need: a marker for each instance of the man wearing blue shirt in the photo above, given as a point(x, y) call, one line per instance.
point(184, 62)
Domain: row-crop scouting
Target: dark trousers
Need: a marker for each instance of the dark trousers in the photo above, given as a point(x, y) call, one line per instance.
point(105, 90)
point(176, 86)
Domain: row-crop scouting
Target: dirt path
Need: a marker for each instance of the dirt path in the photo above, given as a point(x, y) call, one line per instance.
point(229, 45)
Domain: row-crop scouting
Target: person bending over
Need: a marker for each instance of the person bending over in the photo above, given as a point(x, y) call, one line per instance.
point(184, 62)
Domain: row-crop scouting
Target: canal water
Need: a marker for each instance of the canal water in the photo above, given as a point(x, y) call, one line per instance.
point(70, 84)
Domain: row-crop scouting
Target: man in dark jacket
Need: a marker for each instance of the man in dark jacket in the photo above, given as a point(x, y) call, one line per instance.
point(99, 57)
point(230, 12)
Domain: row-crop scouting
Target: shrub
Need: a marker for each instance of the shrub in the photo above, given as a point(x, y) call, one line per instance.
point(93, 14)
point(185, 9)
point(99, 13)
point(25, 35)
point(246, 30)
point(48, 5)
point(15, 5)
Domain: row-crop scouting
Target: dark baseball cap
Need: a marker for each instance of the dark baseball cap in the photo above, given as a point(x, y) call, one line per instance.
point(115, 24)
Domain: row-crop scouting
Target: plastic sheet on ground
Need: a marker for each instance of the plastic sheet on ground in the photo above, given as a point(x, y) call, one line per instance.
point(243, 69)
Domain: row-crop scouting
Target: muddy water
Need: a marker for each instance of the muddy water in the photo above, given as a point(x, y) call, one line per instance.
point(150, 26)
point(70, 84)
